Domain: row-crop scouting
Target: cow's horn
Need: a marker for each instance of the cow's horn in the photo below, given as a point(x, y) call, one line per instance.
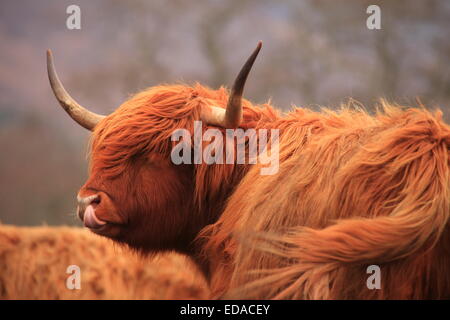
point(82, 116)
point(232, 116)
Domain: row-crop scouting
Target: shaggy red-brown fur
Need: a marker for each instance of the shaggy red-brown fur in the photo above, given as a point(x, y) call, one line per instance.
point(352, 190)
point(33, 264)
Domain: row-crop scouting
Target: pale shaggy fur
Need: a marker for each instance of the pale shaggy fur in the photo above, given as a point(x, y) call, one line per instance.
point(33, 263)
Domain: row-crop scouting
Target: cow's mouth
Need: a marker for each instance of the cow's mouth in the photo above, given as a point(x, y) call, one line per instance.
point(86, 211)
point(99, 214)
point(90, 219)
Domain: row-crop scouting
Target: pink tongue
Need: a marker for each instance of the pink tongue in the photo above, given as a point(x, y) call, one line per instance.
point(90, 220)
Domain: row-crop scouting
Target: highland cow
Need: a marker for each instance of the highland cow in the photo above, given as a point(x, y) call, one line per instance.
point(352, 190)
point(34, 263)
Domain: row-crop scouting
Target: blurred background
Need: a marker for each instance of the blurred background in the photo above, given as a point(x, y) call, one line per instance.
point(315, 53)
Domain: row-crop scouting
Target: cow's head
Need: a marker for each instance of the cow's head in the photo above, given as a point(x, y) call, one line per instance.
point(134, 193)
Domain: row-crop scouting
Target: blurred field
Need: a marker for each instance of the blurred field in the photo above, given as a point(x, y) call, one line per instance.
point(33, 263)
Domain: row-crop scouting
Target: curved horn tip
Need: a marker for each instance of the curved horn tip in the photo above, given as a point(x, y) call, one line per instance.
point(233, 114)
point(49, 55)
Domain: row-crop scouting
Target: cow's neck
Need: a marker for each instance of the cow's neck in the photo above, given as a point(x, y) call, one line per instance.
point(264, 119)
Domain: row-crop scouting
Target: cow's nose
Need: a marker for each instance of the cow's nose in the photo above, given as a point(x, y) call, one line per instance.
point(83, 202)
